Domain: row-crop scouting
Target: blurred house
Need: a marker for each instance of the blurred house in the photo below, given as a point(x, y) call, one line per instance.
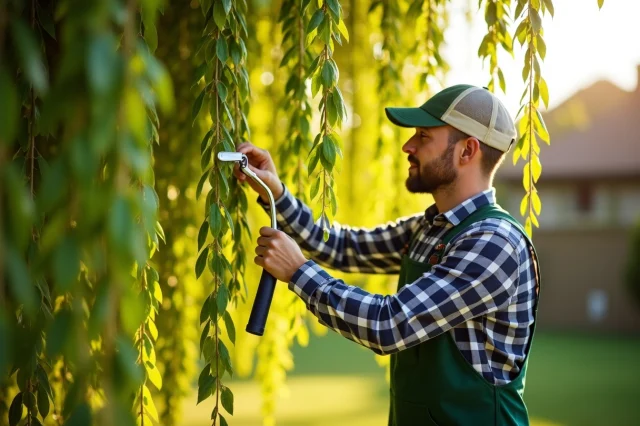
point(590, 192)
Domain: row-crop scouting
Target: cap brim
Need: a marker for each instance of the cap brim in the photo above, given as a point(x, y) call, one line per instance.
point(412, 117)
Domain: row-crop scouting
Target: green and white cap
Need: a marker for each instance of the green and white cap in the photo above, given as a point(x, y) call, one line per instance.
point(470, 109)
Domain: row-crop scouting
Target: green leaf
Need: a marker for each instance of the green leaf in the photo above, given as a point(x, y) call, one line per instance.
point(149, 405)
point(540, 127)
point(521, 32)
point(208, 348)
point(535, 200)
point(151, 36)
point(222, 50)
point(224, 356)
point(219, 15)
point(536, 167)
point(206, 388)
point(343, 30)
point(229, 220)
point(549, 5)
point(526, 177)
point(29, 55)
point(544, 91)
point(44, 380)
point(231, 329)
point(104, 67)
point(222, 91)
point(202, 234)
point(314, 188)
point(313, 162)
point(222, 298)
point(523, 205)
point(503, 84)
point(227, 6)
point(197, 105)
point(329, 151)
point(153, 374)
point(15, 410)
point(227, 400)
point(201, 182)
point(201, 262)
point(46, 21)
point(43, 401)
point(215, 220)
point(223, 421)
point(315, 20)
point(536, 22)
point(542, 47)
point(600, 3)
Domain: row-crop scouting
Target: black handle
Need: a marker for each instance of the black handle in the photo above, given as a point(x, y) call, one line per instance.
point(260, 309)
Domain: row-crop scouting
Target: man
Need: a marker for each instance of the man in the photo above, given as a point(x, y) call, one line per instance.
point(460, 326)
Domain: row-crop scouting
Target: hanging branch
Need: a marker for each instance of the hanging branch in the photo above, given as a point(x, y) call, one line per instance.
point(531, 124)
point(20, 240)
point(496, 15)
point(432, 19)
point(296, 103)
point(386, 54)
point(220, 46)
point(326, 25)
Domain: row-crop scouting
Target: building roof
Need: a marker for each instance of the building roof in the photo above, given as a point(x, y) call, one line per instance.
point(594, 134)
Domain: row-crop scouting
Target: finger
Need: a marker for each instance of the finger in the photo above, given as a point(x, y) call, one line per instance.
point(259, 260)
point(245, 147)
point(238, 173)
point(264, 241)
point(265, 231)
point(261, 251)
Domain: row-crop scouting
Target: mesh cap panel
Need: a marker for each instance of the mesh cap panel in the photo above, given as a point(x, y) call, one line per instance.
point(481, 114)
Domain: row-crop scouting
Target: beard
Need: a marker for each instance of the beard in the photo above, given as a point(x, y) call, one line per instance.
point(435, 175)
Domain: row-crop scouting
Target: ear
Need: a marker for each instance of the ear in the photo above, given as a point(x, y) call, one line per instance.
point(470, 149)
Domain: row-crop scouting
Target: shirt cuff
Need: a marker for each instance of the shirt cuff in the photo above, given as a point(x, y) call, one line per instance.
point(282, 202)
point(307, 279)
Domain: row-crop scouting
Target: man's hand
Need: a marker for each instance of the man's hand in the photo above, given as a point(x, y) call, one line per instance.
point(262, 165)
point(278, 254)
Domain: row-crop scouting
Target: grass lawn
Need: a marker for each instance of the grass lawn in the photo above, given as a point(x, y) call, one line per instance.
point(572, 380)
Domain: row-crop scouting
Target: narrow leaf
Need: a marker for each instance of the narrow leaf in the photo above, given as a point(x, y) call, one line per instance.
point(227, 400)
point(231, 330)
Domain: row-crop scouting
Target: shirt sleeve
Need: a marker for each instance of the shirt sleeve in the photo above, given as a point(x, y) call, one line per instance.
point(477, 275)
point(374, 250)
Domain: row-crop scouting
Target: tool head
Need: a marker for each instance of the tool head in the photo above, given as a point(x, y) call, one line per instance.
point(236, 157)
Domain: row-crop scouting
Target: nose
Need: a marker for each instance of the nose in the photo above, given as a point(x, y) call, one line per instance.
point(409, 147)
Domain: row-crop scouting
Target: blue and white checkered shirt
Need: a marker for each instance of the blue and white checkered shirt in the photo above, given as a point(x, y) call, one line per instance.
point(483, 291)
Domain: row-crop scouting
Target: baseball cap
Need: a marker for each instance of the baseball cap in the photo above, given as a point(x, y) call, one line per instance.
point(473, 110)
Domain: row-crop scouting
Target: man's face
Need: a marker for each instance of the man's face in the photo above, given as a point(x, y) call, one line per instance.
point(430, 159)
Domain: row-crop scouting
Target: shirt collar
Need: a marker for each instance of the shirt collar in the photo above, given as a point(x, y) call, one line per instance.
point(462, 210)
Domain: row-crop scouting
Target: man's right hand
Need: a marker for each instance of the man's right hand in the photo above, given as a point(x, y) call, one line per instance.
point(261, 163)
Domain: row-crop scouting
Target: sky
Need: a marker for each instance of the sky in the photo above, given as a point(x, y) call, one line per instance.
point(584, 45)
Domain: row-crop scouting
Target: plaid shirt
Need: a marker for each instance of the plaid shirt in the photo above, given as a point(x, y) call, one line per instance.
point(483, 291)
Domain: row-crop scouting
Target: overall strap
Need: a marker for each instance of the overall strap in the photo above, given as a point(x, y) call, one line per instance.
point(489, 211)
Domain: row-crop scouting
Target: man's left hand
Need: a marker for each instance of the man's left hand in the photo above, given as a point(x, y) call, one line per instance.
point(278, 254)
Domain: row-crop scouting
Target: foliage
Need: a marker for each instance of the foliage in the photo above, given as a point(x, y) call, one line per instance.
point(119, 229)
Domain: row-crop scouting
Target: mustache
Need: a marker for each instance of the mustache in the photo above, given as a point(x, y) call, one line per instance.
point(413, 159)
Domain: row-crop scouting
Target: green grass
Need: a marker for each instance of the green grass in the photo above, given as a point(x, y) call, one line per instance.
point(572, 380)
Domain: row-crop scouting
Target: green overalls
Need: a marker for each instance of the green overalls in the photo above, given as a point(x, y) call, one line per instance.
point(432, 384)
